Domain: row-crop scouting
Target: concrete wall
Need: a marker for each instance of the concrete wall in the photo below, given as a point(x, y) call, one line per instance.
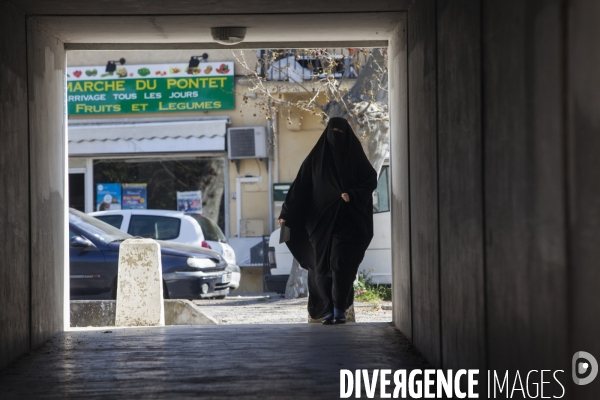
point(399, 177)
point(423, 170)
point(32, 161)
point(460, 184)
point(526, 265)
point(582, 148)
point(85, 313)
point(46, 61)
point(14, 181)
point(503, 138)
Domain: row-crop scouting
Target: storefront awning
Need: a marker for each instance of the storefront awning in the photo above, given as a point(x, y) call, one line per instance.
point(147, 137)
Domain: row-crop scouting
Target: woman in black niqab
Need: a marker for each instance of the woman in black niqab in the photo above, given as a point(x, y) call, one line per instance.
point(329, 210)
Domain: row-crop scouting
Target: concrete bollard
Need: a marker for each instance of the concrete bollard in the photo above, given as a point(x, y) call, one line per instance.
point(139, 287)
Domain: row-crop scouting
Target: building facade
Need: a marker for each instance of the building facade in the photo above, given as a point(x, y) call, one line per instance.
point(170, 130)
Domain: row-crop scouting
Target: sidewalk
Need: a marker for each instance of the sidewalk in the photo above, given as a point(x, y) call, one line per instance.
point(271, 308)
point(286, 361)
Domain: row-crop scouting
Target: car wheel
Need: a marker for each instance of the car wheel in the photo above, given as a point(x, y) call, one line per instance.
point(220, 297)
point(113, 290)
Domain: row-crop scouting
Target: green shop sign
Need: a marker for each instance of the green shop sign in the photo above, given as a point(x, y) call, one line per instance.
point(155, 88)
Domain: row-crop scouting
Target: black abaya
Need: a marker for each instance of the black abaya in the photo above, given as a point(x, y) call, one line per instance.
point(328, 235)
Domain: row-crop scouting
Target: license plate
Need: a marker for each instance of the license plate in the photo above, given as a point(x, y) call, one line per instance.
point(226, 278)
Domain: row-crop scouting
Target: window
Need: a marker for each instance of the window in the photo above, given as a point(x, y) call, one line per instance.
point(210, 230)
point(114, 220)
point(95, 228)
point(154, 227)
point(381, 197)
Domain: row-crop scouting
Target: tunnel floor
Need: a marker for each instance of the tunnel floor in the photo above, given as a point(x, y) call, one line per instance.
point(299, 361)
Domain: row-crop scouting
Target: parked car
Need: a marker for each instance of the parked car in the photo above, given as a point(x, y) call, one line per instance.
point(378, 257)
point(175, 226)
point(189, 272)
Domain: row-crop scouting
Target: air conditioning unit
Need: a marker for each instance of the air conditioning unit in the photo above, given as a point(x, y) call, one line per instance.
point(247, 142)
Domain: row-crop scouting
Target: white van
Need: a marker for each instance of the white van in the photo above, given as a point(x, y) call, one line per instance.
point(378, 257)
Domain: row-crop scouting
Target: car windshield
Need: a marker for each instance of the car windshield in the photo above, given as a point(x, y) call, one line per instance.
point(210, 230)
point(96, 228)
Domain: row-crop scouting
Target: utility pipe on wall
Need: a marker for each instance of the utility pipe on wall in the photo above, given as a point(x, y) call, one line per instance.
point(270, 175)
point(275, 149)
point(226, 199)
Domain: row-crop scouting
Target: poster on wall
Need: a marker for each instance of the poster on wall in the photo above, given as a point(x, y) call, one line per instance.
point(135, 196)
point(150, 88)
point(189, 201)
point(108, 196)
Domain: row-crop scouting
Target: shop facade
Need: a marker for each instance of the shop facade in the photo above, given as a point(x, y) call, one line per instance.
point(148, 163)
point(149, 130)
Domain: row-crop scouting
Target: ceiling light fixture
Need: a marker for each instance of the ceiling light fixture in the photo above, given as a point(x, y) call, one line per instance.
point(228, 35)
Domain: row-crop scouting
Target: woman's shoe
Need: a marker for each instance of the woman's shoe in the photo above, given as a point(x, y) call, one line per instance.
point(328, 320)
point(339, 316)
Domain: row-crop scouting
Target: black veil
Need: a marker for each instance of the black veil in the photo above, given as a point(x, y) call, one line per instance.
point(314, 209)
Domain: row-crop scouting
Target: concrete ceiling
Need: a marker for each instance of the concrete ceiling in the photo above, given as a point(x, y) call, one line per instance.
point(374, 28)
point(203, 7)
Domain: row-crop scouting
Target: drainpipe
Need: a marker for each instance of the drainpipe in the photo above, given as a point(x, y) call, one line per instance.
point(275, 148)
point(269, 167)
point(226, 199)
point(270, 176)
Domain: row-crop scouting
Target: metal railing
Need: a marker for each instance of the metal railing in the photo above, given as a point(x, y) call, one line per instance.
point(298, 65)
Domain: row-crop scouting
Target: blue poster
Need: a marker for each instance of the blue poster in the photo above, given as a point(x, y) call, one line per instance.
point(190, 201)
point(135, 196)
point(108, 196)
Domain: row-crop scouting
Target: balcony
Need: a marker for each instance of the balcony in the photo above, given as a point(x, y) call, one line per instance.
point(302, 65)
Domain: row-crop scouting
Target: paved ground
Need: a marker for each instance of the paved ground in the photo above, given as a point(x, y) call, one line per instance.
point(264, 349)
point(271, 308)
point(285, 361)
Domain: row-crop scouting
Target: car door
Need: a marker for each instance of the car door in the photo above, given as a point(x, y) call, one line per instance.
point(88, 273)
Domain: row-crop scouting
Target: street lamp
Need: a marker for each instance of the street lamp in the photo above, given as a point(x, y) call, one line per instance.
point(195, 60)
point(111, 66)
